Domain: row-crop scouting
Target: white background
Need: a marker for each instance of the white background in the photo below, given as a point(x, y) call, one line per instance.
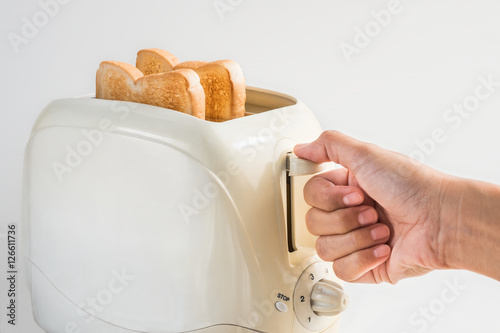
point(393, 93)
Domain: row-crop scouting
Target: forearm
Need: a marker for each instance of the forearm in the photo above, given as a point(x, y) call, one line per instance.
point(471, 223)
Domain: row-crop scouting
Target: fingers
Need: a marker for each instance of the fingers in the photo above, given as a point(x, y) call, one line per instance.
point(323, 194)
point(342, 216)
point(358, 266)
point(337, 147)
point(341, 221)
point(333, 247)
point(336, 176)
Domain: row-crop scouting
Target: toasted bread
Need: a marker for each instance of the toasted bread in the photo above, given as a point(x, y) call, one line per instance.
point(178, 90)
point(222, 81)
point(154, 61)
point(224, 86)
point(193, 64)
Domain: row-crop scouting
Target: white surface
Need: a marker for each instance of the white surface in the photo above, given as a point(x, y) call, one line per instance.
point(394, 92)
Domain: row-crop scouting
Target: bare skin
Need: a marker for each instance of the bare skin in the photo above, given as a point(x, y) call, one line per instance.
point(384, 217)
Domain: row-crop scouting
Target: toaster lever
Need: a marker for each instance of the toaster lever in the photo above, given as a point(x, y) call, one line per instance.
point(300, 167)
point(298, 172)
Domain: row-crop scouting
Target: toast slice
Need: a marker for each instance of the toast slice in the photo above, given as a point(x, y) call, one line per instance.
point(193, 64)
point(154, 61)
point(178, 90)
point(224, 86)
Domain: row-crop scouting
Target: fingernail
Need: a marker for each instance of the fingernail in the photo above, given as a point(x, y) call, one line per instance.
point(379, 232)
point(353, 199)
point(367, 216)
point(382, 251)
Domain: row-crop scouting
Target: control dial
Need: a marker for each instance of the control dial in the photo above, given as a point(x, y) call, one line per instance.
point(318, 297)
point(328, 298)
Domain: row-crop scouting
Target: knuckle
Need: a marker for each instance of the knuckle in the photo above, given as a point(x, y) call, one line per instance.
point(343, 219)
point(319, 194)
point(341, 271)
point(329, 134)
point(357, 260)
point(322, 248)
point(311, 189)
point(310, 224)
point(327, 198)
point(308, 191)
point(364, 153)
point(355, 238)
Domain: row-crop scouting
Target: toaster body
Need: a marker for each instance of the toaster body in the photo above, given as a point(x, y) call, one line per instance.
point(143, 219)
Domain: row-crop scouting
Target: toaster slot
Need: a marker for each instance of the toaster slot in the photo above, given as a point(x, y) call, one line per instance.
point(291, 243)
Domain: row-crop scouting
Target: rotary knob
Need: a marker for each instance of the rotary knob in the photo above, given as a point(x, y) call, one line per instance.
point(328, 298)
point(318, 298)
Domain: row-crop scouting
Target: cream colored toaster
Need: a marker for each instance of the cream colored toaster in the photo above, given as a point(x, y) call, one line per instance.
point(144, 219)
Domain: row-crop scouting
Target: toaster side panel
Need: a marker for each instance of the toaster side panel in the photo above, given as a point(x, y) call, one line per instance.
point(133, 233)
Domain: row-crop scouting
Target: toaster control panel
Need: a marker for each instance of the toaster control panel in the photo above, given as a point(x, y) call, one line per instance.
point(318, 297)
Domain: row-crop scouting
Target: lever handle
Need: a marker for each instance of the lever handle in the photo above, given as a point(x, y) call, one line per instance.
point(300, 167)
point(299, 171)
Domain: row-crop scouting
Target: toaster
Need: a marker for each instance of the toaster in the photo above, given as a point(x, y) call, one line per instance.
point(143, 219)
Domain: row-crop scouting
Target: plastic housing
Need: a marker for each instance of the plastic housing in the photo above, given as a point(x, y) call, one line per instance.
point(144, 219)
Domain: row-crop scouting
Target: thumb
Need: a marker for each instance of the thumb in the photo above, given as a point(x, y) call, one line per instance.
point(336, 147)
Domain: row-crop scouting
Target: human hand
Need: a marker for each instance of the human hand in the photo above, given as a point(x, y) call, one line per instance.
point(379, 218)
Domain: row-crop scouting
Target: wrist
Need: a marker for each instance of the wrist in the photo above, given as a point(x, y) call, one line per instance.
point(452, 195)
point(469, 234)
